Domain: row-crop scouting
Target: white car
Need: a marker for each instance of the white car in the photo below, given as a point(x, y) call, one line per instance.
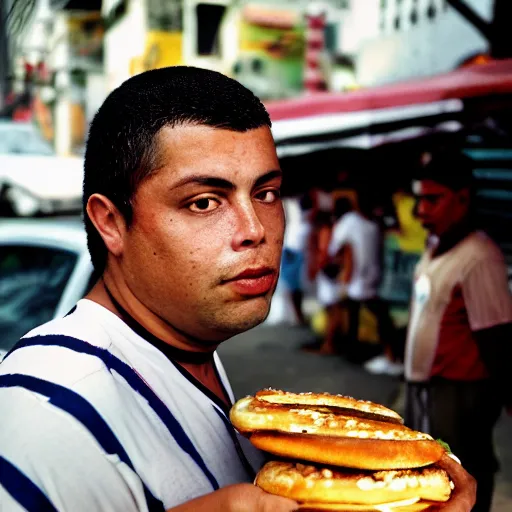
point(45, 269)
point(32, 176)
point(44, 263)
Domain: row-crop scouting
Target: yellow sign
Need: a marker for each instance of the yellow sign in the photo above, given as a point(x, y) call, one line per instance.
point(162, 49)
point(412, 236)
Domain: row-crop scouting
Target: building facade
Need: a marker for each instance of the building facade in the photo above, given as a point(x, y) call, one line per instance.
point(393, 40)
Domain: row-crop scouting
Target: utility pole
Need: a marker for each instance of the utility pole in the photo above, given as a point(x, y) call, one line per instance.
point(501, 43)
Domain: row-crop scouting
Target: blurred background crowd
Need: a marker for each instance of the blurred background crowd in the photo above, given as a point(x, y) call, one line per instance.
point(359, 92)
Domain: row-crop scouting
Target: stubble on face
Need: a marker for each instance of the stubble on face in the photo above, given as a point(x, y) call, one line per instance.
point(204, 217)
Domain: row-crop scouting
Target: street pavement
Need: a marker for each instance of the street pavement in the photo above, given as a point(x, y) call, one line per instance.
point(271, 356)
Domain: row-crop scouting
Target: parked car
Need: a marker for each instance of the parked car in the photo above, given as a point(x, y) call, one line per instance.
point(44, 269)
point(21, 138)
point(30, 170)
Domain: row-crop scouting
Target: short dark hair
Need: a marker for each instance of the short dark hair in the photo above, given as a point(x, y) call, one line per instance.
point(342, 205)
point(451, 168)
point(121, 148)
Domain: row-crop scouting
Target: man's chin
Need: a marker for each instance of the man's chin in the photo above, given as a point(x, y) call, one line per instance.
point(249, 317)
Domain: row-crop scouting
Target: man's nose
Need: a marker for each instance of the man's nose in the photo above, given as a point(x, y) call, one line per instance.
point(250, 231)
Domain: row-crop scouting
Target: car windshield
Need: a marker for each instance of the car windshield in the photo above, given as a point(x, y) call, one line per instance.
point(32, 280)
point(22, 139)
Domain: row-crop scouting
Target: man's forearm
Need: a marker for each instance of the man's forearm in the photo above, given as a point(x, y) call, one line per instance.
point(213, 502)
point(238, 498)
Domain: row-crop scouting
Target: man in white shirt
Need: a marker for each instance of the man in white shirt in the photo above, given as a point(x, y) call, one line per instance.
point(293, 263)
point(122, 405)
point(360, 233)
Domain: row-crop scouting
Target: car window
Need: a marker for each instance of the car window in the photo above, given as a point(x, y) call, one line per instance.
point(32, 280)
point(22, 141)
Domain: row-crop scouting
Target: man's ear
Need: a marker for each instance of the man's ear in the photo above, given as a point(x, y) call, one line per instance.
point(109, 222)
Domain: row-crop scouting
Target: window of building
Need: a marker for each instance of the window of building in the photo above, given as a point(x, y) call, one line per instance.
point(431, 12)
point(165, 15)
point(414, 16)
point(209, 18)
point(343, 4)
point(331, 37)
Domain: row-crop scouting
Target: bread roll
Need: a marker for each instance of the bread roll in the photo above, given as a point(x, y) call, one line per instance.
point(372, 454)
point(323, 428)
point(315, 486)
point(338, 403)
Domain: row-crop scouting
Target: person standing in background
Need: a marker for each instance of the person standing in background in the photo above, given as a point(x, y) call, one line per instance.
point(329, 279)
point(458, 348)
point(295, 250)
point(359, 232)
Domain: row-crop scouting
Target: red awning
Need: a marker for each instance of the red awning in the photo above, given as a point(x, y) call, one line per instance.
point(472, 81)
point(382, 115)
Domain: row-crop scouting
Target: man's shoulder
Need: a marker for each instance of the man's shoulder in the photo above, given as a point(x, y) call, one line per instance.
point(64, 350)
point(346, 220)
point(479, 247)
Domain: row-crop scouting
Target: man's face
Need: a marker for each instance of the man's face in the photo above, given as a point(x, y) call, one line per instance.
point(204, 248)
point(438, 207)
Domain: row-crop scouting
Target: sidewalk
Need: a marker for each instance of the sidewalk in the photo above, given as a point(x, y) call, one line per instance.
point(270, 356)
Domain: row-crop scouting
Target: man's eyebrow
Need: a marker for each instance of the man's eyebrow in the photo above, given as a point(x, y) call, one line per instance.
point(276, 173)
point(211, 181)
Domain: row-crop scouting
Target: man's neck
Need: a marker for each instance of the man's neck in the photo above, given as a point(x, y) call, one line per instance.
point(118, 299)
point(202, 370)
point(452, 237)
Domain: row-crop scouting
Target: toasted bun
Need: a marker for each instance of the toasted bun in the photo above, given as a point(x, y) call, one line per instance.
point(310, 427)
point(373, 454)
point(251, 414)
point(336, 402)
point(316, 486)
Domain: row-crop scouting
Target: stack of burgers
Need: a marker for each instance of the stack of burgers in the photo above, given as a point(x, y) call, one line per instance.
point(331, 452)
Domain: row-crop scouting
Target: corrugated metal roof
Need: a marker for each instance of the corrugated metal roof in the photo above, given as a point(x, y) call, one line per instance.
point(493, 173)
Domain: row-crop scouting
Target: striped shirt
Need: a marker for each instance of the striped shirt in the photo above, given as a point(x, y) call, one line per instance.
point(461, 291)
point(94, 417)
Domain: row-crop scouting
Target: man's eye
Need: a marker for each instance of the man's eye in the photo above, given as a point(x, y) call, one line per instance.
point(203, 205)
point(268, 196)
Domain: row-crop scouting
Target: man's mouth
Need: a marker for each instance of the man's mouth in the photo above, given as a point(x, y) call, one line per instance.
point(253, 281)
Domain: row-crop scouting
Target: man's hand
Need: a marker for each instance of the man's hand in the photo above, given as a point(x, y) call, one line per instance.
point(238, 498)
point(464, 495)
point(249, 498)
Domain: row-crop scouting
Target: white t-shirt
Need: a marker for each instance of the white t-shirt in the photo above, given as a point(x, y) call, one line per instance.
point(328, 291)
point(363, 235)
point(94, 417)
point(297, 225)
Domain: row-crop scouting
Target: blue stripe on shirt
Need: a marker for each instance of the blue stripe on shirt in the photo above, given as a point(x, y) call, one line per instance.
point(241, 455)
point(135, 382)
point(22, 489)
point(82, 411)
